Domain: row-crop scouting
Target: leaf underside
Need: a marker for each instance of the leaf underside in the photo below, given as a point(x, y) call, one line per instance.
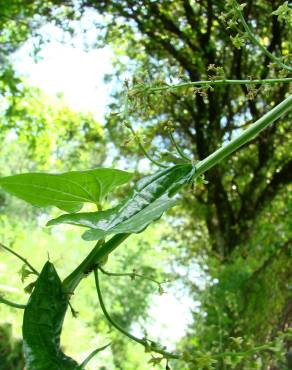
point(67, 191)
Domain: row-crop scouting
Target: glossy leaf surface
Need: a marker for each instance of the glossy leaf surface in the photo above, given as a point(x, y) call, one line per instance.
point(42, 324)
point(151, 197)
point(67, 191)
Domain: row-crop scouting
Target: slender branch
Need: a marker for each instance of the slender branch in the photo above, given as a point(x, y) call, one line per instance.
point(12, 304)
point(21, 258)
point(249, 352)
point(255, 40)
point(91, 355)
point(148, 89)
point(108, 317)
point(132, 275)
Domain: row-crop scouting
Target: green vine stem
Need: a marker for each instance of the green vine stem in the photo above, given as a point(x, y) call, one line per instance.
point(247, 135)
point(106, 314)
point(149, 89)
point(255, 40)
point(99, 252)
point(91, 355)
point(136, 137)
point(94, 258)
point(12, 304)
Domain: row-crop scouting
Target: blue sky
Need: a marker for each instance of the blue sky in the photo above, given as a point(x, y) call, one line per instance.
point(69, 70)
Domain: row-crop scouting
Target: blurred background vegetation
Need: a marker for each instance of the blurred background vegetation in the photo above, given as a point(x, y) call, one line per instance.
point(227, 247)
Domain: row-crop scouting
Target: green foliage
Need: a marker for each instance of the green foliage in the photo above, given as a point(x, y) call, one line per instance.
point(52, 133)
point(67, 191)
point(11, 357)
point(236, 225)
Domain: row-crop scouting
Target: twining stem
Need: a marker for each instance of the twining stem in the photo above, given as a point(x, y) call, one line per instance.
point(247, 135)
point(99, 252)
point(12, 304)
point(207, 83)
point(148, 344)
point(92, 354)
point(255, 40)
point(20, 257)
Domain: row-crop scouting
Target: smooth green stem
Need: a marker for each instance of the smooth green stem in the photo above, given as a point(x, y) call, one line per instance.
point(20, 257)
point(245, 136)
point(255, 40)
point(249, 352)
point(96, 256)
point(161, 351)
point(147, 155)
point(12, 304)
point(214, 83)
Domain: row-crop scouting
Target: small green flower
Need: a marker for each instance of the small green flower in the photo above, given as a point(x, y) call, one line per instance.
point(284, 12)
point(237, 41)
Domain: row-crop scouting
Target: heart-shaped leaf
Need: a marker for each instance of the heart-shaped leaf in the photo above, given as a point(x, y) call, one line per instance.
point(67, 191)
point(151, 197)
